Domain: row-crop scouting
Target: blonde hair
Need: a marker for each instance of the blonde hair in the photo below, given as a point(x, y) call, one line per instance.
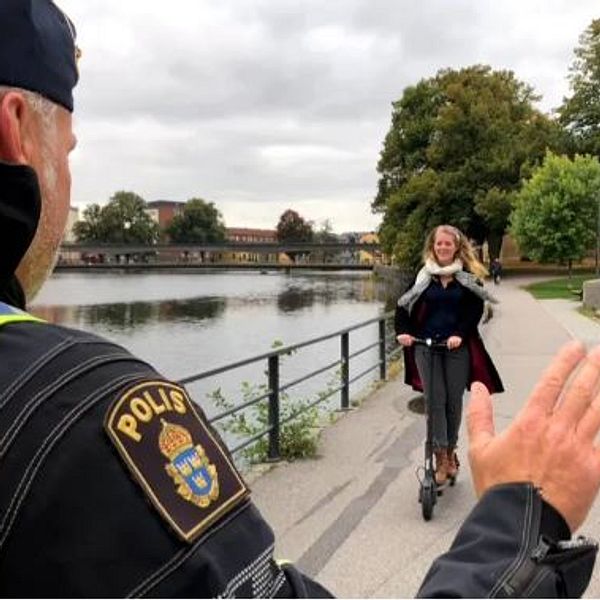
point(464, 249)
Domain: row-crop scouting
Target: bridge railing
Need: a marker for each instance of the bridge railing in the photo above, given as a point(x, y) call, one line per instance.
point(387, 350)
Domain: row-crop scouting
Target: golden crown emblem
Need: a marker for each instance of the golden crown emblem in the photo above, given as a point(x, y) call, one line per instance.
point(174, 439)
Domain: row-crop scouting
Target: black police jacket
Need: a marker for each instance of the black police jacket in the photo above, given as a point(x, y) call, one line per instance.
point(113, 484)
point(83, 514)
point(512, 545)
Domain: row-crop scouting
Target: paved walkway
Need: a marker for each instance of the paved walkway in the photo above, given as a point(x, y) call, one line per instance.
point(351, 518)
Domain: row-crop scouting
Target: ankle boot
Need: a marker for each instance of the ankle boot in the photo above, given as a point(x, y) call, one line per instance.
point(441, 466)
point(453, 463)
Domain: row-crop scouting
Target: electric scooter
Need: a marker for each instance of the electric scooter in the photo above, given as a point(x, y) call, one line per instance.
point(429, 490)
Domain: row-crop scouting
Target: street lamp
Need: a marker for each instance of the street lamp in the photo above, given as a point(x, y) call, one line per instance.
point(126, 228)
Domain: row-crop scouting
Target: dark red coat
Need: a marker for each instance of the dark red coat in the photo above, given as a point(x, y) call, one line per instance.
point(481, 366)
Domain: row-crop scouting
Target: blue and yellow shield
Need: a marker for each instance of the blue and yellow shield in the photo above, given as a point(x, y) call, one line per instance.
point(196, 478)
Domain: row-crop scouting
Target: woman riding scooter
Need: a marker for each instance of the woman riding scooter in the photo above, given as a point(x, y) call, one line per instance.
point(445, 303)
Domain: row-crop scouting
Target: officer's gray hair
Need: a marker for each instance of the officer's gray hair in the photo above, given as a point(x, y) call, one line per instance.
point(46, 111)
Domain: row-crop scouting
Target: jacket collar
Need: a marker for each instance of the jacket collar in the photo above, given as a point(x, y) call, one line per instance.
point(20, 206)
point(466, 279)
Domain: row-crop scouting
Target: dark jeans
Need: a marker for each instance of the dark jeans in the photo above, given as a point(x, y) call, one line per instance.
point(444, 395)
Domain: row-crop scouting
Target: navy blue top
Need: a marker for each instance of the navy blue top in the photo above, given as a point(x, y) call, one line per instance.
point(443, 309)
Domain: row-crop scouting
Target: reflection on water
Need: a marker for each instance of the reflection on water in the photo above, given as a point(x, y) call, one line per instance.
point(295, 298)
point(185, 323)
point(296, 294)
point(123, 316)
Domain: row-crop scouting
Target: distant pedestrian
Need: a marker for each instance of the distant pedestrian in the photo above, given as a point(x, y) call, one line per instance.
point(496, 270)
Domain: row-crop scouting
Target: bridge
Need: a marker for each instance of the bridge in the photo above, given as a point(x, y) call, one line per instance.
point(223, 255)
point(255, 247)
point(167, 266)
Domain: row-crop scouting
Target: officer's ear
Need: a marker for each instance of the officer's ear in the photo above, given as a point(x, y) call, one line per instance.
point(17, 128)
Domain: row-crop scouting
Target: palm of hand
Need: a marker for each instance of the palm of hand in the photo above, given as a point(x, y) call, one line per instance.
point(551, 441)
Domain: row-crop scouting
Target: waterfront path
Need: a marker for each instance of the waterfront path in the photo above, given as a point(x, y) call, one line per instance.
point(351, 518)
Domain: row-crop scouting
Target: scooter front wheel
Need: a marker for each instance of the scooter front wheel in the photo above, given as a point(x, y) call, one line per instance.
point(428, 496)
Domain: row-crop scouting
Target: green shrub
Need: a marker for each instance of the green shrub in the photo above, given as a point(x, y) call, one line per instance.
point(299, 433)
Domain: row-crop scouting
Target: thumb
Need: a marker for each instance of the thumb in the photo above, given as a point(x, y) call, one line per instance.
point(480, 417)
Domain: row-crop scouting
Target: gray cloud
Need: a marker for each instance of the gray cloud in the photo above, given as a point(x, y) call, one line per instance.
point(261, 105)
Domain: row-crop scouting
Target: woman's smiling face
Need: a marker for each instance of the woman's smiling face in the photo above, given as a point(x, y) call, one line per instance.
point(444, 248)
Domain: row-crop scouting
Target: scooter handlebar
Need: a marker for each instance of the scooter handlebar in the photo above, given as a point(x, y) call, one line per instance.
point(430, 343)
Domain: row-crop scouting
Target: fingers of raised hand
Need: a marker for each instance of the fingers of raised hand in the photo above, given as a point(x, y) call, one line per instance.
point(549, 387)
point(480, 416)
point(590, 423)
point(576, 402)
point(588, 404)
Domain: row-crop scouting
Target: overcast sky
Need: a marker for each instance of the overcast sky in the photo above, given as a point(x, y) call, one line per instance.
point(264, 105)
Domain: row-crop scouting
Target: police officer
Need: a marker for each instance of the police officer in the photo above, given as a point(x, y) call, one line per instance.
point(112, 483)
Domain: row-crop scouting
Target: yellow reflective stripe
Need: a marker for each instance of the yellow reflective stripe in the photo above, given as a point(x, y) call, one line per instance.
point(5, 319)
point(282, 562)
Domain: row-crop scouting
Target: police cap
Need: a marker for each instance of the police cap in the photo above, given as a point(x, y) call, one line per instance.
point(37, 49)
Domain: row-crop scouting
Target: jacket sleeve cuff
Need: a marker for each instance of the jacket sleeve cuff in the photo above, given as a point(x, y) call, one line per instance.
point(513, 544)
point(552, 524)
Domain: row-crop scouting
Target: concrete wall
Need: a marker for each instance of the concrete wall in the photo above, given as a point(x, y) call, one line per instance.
point(591, 293)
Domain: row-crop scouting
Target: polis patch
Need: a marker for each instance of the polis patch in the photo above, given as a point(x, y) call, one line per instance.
point(174, 456)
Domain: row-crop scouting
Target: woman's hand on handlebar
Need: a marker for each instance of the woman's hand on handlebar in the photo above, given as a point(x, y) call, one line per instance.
point(453, 342)
point(405, 339)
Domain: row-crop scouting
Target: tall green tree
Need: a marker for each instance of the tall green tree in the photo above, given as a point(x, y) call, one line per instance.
point(580, 113)
point(200, 222)
point(123, 220)
point(323, 235)
point(294, 228)
point(458, 146)
point(91, 227)
point(554, 219)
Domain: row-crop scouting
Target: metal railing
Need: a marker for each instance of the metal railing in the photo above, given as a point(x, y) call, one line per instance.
point(387, 350)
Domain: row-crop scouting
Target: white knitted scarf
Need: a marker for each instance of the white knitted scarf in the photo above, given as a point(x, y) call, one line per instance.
point(431, 268)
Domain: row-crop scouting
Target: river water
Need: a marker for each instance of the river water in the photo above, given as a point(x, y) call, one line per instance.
point(186, 323)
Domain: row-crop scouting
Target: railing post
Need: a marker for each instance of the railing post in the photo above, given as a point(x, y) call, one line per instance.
point(345, 352)
point(382, 359)
point(274, 407)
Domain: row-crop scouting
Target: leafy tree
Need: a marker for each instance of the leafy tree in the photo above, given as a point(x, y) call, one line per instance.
point(580, 114)
point(325, 233)
point(91, 227)
point(200, 222)
point(555, 212)
point(293, 228)
point(458, 146)
point(123, 220)
point(494, 206)
point(127, 220)
point(322, 236)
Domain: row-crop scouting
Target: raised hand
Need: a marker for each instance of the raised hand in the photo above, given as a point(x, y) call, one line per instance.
point(551, 442)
